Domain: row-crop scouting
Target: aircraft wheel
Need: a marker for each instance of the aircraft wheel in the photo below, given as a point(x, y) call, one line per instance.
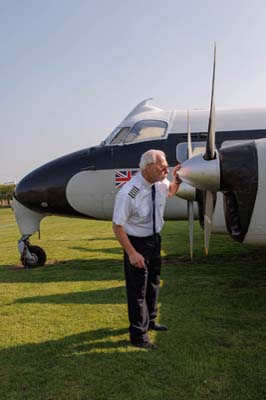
point(38, 258)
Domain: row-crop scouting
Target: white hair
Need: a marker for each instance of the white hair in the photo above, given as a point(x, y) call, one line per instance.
point(150, 157)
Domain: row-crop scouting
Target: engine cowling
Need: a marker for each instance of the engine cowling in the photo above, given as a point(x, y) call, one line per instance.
point(251, 207)
point(239, 184)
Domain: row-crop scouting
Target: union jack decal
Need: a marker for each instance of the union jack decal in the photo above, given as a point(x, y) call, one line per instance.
point(121, 177)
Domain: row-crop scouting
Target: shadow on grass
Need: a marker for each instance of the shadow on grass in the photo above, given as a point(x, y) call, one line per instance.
point(87, 239)
point(65, 271)
point(60, 368)
point(92, 250)
point(106, 296)
point(215, 348)
point(97, 364)
point(199, 358)
point(94, 269)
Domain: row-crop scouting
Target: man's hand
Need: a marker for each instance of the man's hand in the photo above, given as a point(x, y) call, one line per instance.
point(175, 173)
point(137, 260)
point(174, 185)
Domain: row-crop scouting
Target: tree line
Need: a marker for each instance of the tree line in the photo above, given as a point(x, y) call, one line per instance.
point(6, 192)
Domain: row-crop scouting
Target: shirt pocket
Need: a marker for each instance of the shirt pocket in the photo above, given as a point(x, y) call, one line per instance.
point(144, 213)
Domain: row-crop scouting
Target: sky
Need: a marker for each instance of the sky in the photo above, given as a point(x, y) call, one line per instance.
point(71, 70)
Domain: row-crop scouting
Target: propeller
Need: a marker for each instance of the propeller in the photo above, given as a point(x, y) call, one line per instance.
point(203, 171)
point(188, 193)
point(190, 203)
point(224, 170)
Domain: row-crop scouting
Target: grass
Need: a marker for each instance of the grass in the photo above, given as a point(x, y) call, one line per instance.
point(63, 328)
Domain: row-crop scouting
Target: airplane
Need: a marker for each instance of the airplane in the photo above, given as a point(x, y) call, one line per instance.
point(84, 183)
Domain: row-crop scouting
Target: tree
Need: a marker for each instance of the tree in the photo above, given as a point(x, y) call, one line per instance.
point(6, 193)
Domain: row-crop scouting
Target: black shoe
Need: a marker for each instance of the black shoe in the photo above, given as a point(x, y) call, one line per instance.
point(157, 327)
point(145, 345)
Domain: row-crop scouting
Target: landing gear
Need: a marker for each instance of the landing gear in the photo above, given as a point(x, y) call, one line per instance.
point(31, 256)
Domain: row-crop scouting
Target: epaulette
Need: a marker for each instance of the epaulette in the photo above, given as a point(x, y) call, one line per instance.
point(133, 192)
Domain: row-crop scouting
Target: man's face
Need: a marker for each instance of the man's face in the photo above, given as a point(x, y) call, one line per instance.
point(159, 170)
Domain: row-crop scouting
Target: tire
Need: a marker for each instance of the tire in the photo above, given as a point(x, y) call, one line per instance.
point(39, 256)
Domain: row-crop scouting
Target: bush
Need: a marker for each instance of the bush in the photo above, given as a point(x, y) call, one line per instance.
point(6, 193)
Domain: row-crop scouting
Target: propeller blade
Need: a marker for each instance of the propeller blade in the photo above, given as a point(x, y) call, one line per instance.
point(210, 145)
point(208, 217)
point(189, 144)
point(190, 203)
point(210, 155)
point(191, 227)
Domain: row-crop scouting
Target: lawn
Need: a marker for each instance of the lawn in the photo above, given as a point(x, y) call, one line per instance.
point(63, 327)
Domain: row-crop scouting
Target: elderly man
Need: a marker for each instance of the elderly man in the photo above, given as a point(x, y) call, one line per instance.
point(137, 222)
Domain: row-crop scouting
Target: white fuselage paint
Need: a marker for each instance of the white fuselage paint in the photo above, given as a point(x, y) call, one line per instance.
point(28, 221)
point(257, 228)
point(93, 193)
point(225, 120)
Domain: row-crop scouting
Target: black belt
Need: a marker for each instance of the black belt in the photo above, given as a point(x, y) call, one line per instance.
point(151, 237)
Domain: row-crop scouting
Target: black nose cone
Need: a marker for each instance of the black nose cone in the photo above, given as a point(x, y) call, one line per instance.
point(44, 189)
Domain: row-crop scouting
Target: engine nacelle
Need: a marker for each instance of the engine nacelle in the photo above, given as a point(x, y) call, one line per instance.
point(243, 183)
point(256, 233)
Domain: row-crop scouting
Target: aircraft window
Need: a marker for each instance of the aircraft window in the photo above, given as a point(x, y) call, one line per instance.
point(119, 137)
point(146, 130)
point(181, 150)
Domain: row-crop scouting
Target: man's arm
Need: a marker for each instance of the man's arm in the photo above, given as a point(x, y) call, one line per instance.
point(135, 258)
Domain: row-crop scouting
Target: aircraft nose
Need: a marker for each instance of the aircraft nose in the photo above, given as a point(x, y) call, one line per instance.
point(44, 189)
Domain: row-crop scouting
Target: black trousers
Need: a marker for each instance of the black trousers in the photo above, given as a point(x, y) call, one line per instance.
point(142, 286)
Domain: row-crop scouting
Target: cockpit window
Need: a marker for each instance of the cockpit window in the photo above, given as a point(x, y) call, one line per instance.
point(142, 130)
point(147, 129)
point(120, 135)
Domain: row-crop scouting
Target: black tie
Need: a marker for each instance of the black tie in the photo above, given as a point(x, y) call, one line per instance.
point(153, 193)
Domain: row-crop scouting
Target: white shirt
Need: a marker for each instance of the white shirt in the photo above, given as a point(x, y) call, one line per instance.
point(133, 206)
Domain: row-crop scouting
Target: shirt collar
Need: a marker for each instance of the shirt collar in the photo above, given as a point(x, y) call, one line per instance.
point(143, 181)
